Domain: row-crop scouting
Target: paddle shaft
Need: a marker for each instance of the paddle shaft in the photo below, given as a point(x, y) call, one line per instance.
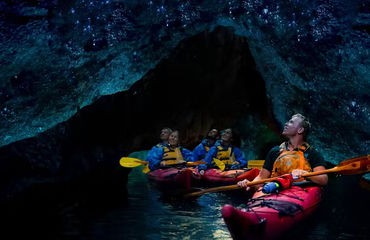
point(125, 162)
point(352, 166)
point(229, 187)
point(141, 161)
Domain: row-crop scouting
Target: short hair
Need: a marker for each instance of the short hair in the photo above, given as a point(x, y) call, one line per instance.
point(305, 123)
point(228, 130)
point(168, 129)
point(212, 130)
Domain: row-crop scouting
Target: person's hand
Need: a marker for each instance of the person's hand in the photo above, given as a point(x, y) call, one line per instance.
point(243, 184)
point(297, 173)
point(235, 166)
point(202, 168)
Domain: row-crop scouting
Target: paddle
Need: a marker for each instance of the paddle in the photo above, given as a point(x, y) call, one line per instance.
point(350, 166)
point(130, 162)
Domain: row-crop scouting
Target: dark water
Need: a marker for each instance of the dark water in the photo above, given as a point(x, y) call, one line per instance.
point(150, 215)
point(146, 214)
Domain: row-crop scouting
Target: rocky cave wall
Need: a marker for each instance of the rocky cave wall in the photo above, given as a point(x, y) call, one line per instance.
point(271, 60)
point(210, 80)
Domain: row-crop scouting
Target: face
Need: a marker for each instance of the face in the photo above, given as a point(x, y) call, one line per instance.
point(173, 139)
point(293, 127)
point(165, 133)
point(226, 134)
point(213, 133)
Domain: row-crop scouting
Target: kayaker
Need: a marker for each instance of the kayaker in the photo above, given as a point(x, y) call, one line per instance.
point(169, 155)
point(294, 156)
point(163, 136)
point(223, 150)
point(203, 147)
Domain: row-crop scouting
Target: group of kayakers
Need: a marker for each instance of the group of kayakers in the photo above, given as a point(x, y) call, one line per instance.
point(214, 146)
point(294, 156)
point(168, 152)
point(274, 194)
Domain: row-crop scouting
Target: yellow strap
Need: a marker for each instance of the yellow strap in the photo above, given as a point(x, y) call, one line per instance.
point(178, 154)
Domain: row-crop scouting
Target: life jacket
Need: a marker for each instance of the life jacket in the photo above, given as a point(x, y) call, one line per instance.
point(172, 156)
point(289, 160)
point(225, 155)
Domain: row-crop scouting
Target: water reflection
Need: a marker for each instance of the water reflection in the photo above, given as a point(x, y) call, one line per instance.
point(147, 214)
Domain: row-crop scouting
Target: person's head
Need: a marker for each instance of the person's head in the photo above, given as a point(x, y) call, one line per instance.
point(297, 125)
point(173, 139)
point(165, 133)
point(226, 135)
point(212, 134)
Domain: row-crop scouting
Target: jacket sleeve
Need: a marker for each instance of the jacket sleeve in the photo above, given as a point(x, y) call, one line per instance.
point(315, 158)
point(272, 155)
point(155, 157)
point(199, 152)
point(239, 156)
point(210, 155)
point(188, 155)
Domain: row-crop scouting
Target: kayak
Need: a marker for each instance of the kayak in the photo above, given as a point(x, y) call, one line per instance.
point(174, 177)
point(268, 216)
point(218, 177)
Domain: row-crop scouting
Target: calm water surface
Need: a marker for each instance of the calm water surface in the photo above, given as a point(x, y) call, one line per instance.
point(148, 215)
point(145, 214)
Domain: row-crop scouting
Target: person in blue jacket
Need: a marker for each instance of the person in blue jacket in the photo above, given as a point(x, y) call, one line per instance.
point(163, 136)
point(169, 155)
point(203, 147)
point(223, 150)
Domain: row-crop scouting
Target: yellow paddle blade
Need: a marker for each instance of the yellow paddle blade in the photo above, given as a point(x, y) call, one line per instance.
point(256, 163)
point(129, 162)
point(146, 169)
point(219, 164)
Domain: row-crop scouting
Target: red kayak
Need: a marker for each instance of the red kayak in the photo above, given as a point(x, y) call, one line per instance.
point(269, 216)
point(218, 177)
point(174, 177)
